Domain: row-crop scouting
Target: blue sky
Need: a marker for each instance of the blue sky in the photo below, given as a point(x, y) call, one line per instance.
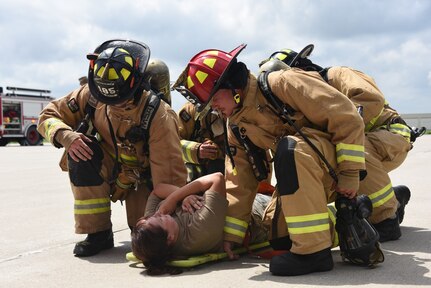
point(44, 42)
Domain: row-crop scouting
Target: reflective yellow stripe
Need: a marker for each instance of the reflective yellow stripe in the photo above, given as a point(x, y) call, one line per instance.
point(196, 168)
point(307, 223)
point(92, 206)
point(124, 186)
point(382, 196)
point(50, 124)
point(235, 226)
point(187, 150)
point(400, 129)
point(332, 211)
point(350, 152)
point(127, 159)
point(232, 231)
point(373, 121)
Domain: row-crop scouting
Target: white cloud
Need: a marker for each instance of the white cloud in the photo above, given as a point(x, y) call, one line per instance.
point(44, 42)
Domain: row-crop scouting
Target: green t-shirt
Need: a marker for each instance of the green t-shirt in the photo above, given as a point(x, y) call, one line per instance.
point(200, 232)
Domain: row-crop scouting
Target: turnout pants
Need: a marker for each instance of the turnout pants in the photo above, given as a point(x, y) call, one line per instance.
point(384, 151)
point(304, 188)
point(91, 189)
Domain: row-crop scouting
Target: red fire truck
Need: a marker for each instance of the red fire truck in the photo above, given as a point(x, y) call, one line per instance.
point(19, 111)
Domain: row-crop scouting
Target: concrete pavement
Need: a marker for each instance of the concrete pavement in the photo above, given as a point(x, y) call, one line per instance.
point(37, 238)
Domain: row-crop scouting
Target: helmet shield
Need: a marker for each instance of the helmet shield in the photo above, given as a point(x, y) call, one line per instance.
point(117, 69)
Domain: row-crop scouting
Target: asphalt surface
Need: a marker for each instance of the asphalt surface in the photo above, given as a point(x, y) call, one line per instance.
point(37, 237)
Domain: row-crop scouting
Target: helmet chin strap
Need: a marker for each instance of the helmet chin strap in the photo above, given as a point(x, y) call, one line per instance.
point(227, 148)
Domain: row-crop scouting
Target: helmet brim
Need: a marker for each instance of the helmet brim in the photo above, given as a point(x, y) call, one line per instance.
point(304, 53)
point(139, 51)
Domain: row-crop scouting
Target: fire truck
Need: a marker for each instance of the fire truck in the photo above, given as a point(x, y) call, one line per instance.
point(19, 112)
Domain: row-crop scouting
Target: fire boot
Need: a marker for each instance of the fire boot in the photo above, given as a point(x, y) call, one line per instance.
point(388, 229)
point(291, 264)
point(94, 243)
point(402, 193)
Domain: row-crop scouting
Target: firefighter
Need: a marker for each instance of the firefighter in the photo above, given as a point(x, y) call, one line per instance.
point(387, 142)
point(117, 147)
point(202, 141)
point(304, 184)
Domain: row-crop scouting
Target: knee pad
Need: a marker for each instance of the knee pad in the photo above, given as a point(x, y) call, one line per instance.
point(87, 173)
point(285, 167)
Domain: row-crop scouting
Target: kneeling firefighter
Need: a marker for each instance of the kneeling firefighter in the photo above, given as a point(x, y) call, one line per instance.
point(358, 240)
point(119, 140)
point(388, 138)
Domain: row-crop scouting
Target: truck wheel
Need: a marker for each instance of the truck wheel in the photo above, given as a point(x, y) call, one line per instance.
point(3, 142)
point(32, 137)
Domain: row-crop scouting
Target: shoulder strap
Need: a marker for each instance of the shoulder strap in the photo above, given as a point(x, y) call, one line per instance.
point(150, 109)
point(196, 130)
point(142, 131)
point(89, 109)
point(275, 102)
point(324, 74)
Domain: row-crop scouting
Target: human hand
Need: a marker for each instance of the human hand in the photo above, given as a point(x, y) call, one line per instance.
point(349, 193)
point(208, 150)
point(348, 183)
point(79, 150)
point(227, 246)
point(192, 203)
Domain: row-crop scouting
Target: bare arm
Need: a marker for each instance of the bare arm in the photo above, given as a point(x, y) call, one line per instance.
point(163, 190)
point(214, 182)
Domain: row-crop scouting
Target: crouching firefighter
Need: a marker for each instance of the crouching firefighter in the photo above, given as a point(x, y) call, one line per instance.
point(388, 138)
point(119, 139)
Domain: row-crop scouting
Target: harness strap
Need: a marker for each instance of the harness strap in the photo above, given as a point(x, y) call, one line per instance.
point(284, 111)
point(256, 156)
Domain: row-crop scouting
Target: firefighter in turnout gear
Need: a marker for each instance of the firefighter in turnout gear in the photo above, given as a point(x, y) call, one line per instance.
point(304, 185)
point(119, 140)
point(202, 141)
point(387, 142)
